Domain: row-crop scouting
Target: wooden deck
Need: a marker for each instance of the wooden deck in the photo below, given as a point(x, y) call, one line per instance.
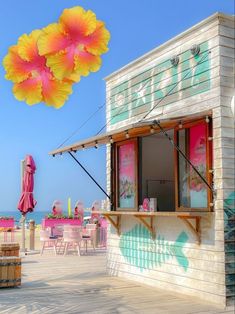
point(79, 284)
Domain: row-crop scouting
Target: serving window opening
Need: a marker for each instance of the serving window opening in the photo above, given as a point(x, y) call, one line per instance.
point(157, 170)
point(176, 172)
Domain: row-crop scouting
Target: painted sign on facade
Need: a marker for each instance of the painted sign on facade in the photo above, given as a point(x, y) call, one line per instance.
point(143, 91)
point(140, 250)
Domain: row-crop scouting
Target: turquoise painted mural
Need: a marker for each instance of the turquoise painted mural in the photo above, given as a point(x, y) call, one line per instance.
point(229, 237)
point(229, 217)
point(142, 91)
point(140, 250)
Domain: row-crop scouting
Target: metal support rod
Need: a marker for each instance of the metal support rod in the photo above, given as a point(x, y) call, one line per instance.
point(180, 151)
point(89, 174)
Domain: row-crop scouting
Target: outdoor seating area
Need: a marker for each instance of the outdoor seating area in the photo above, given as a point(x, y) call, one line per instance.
point(73, 233)
point(68, 238)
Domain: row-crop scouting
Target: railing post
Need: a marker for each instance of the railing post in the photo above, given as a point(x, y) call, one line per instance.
point(32, 235)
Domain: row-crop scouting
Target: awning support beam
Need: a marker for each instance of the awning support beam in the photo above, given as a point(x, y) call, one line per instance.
point(78, 162)
point(116, 224)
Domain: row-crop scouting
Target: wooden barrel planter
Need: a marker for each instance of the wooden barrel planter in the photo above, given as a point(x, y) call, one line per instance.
point(10, 271)
point(9, 249)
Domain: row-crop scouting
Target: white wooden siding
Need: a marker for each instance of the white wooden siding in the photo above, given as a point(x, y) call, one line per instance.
point(205, 276)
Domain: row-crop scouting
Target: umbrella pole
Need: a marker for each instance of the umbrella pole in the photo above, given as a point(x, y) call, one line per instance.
point(22, 167)
point(23, 234)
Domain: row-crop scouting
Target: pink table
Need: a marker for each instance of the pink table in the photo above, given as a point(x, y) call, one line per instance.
point(102, 232)
point(52, 222)
point(7, 225)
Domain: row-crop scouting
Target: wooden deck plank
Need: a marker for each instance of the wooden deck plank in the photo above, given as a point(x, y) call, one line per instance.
point(79, 284)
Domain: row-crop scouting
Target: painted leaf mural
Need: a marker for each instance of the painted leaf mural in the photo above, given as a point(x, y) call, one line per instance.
point(140, 250)
point(229, 216)
point(44, 64)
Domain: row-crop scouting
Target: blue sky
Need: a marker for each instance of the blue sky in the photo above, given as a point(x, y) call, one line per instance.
point(136, 27)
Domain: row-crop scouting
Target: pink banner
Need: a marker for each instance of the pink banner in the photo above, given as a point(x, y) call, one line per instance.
point(197, 154)
point(127, 175)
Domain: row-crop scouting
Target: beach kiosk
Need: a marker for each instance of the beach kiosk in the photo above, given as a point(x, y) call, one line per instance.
point(170, 147)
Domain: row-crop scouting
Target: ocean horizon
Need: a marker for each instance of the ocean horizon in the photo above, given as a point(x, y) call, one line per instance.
point(37, 216)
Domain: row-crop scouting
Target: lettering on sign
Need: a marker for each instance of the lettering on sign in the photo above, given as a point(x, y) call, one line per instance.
point(163, 82)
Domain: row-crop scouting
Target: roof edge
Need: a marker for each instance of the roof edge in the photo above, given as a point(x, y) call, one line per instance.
point(168, 42)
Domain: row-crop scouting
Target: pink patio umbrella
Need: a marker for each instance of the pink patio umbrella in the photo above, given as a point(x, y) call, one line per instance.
point(27, 201)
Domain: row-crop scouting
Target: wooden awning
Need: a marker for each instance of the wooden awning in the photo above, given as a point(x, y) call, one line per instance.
point(130, 131)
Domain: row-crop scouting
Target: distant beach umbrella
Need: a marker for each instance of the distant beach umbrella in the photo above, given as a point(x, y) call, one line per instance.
point(79, 210)
point(27, 201)
point(57, 208)
point(95, 207)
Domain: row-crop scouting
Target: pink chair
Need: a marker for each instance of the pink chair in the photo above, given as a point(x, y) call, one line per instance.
point(89, 235)
point(103, 232)
point(72, 228)
point(47, 242)
point(58, 231)
point(102, 237)
point(72, 238)
point(6, 232)
point(91, 226)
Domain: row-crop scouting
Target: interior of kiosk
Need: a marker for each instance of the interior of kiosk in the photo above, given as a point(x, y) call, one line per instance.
point(157, 170)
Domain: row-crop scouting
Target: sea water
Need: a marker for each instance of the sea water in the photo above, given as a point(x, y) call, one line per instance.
point(37, 216)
